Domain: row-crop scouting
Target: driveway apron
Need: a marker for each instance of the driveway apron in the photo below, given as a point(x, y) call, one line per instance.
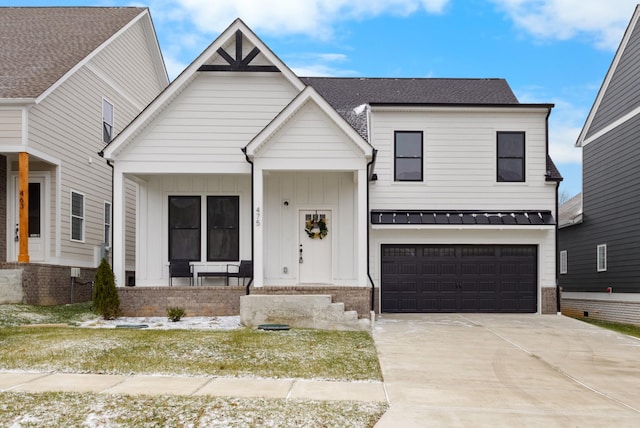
point(506, 370)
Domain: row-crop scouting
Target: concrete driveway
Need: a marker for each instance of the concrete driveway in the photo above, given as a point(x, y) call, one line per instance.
point(506, 370)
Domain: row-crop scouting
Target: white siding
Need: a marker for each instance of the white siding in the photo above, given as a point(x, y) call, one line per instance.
point(10, 127)
point(309, 191)
point(152, 266)
point(130, 216)
point(459, 162)
point(310, 135)
point(67, 124)
point(210, 121)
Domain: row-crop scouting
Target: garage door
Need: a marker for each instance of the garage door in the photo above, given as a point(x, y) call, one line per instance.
point(459, 278)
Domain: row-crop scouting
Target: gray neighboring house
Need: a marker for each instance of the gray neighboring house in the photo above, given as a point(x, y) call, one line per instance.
point(598, 236)
point(71, 78)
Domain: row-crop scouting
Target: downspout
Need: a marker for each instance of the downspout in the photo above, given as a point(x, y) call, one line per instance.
point(244, 150)
point(557, 249)
point(101, 154)
point(370, 167)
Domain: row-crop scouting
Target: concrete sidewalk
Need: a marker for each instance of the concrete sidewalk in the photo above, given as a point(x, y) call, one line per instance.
point(181, 385)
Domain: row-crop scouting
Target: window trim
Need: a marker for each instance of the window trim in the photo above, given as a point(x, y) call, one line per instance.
point(601, 258)
point(107, 235)
point(524, 156)
point(105, 122)
point(563, 262)
point(395, 156)
point(81, 217)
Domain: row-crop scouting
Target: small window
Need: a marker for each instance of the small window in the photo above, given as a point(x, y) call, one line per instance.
point(408, 156)
point(602, 258)
point(563, 262)
point(107, 121)
point(107, 224)
point(511, 157)
point(77, 216)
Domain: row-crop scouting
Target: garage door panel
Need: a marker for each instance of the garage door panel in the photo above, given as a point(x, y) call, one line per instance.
point(462, 278)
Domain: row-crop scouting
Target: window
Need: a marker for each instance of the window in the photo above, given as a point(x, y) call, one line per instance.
point(602, 258)
point(510, 156)
point(107, 224)
point(563, 262)
point(77, 216)
point(408, 156)
point(222, 228)
point(107, 121)
point(184, 227)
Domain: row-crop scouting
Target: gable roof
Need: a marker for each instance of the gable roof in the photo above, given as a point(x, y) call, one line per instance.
point(570, 213)
point(200, 65)
point(587, 134)
point(39, 45)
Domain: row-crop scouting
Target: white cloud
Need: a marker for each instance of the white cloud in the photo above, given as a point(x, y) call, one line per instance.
point(602, 21)
point(313, 18)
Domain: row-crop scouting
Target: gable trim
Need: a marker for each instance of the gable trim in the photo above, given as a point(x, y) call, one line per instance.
point(187, 75)
point(581, 142)
point(307, 95)
point(238, 63)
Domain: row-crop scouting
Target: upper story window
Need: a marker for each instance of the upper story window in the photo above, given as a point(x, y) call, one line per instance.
point(408, 155)
point(563, 262)
point(511, 157)
point(77, 216)
point(107, 121)
point(602, 258)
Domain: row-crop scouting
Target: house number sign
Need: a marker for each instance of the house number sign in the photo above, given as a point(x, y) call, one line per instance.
point(258, 216)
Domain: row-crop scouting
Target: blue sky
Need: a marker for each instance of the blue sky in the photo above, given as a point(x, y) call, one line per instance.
point(550, 51)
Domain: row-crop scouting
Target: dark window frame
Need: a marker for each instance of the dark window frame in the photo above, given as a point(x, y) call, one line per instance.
point(170, 227)
point(500, 157)
point(396, 157)
point(234, 228)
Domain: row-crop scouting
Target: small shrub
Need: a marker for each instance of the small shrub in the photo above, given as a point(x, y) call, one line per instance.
point(175, 314)
point(105, 295)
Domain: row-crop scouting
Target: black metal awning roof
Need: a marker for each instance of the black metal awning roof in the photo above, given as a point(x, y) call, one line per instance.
point(443, 217)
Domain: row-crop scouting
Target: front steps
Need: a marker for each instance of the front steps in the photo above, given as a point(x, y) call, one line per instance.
point(303, 311)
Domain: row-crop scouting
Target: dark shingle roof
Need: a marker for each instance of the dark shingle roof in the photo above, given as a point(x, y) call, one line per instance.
point(38, 45)
point(345, 94)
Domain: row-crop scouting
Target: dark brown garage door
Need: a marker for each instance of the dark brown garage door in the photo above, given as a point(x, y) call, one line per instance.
point(459, 278)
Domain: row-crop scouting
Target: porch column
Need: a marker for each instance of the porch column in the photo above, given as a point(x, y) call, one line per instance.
point(23, 207)
point(258, 221)
point(363, 224)
point(118, 255)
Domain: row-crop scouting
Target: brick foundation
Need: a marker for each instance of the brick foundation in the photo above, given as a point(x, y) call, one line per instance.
point(616, 311)
point(48, 285)
point(223, 300)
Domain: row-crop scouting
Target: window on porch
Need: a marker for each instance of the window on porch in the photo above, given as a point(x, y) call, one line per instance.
point(222, 228)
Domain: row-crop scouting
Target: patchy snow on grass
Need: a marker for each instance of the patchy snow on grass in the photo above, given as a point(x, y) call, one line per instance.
point(163, 323)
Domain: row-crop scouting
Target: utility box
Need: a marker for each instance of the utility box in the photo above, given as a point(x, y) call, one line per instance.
point(75, 272)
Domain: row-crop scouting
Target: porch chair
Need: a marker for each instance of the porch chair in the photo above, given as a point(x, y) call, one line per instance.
point(244, 270)
point(180, 269)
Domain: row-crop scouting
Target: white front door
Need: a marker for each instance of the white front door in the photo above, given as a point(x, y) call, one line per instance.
point(36, 219)
point(314, 247)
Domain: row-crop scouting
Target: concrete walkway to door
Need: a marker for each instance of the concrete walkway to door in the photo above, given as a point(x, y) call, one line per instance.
point(506, 370)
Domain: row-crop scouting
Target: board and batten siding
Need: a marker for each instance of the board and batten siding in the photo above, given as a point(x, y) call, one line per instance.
point(152, 254)
point(11, 126)
point(311, 136)
point(611, 201)
point(309, 191)
point(459, 162)
point(622, 94)
point(67, 125)
point(206, 126)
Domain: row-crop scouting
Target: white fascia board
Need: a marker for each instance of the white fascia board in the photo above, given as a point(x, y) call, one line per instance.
point(33, 152)
point(187, 75)
point(514, 108)
point(160, 168)
point(13, 102)
point(305, 165)
point(610, 127)
point(580, 142)
point(309, 94)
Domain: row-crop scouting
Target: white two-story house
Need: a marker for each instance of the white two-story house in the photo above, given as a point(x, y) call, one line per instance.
point(71, 78)
point(393, 195)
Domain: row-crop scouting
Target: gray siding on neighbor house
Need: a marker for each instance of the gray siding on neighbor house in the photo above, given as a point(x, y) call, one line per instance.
point(623, 94)
point(611, 203)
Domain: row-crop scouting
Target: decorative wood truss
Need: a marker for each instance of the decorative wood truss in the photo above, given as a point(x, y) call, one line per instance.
point(238, 63)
